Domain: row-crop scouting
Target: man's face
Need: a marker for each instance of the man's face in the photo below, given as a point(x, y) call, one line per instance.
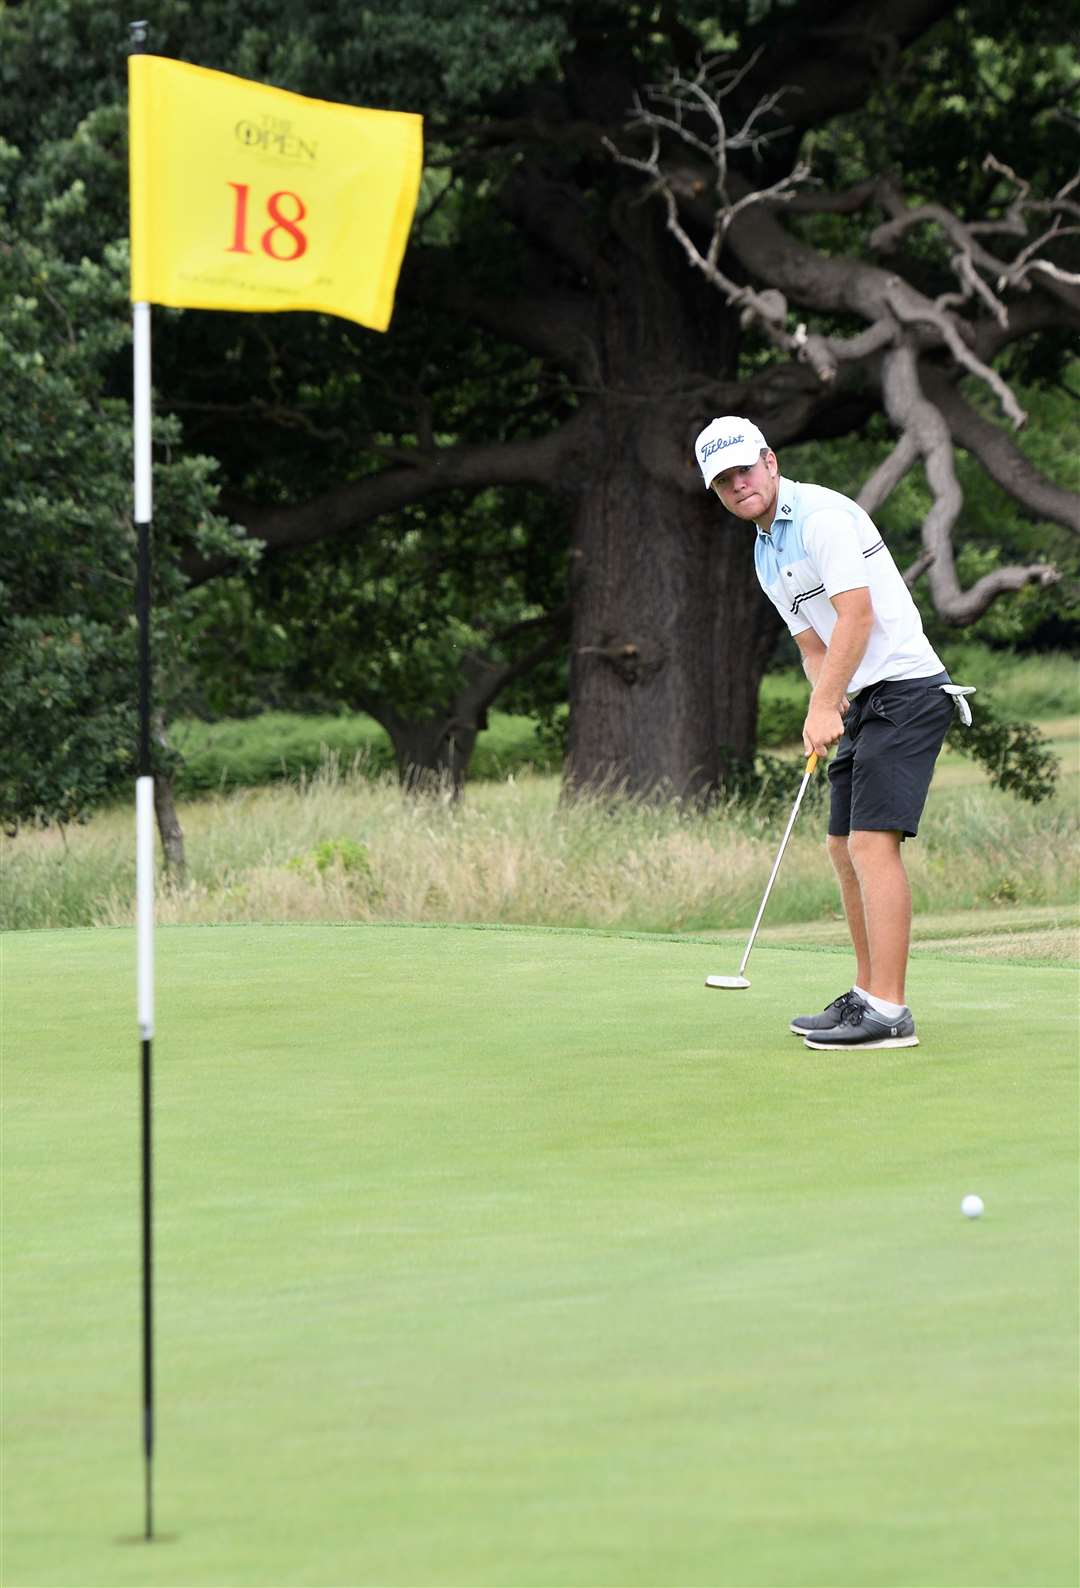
point(750, 492)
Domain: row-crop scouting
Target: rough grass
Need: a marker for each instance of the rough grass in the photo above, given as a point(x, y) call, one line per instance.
point(343, 846)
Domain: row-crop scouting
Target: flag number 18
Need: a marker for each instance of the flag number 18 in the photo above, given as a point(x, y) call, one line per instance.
point(283, 241)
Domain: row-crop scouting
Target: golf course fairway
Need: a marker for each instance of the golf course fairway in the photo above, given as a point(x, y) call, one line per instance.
point(500, 1257)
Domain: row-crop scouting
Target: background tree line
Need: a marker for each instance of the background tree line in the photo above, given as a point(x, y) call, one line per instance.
point(852, 221)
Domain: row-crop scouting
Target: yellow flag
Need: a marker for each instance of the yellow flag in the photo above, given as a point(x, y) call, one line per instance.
point(248, 197)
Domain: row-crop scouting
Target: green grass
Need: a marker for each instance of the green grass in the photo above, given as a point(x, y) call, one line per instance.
point(516, 1257)
point(250, 751)
point(279, 745)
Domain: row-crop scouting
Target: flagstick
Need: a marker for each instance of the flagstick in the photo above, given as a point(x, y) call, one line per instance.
point(144, 868)
point(144, 846)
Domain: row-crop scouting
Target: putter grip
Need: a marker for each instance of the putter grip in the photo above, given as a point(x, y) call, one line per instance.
point(811, 762)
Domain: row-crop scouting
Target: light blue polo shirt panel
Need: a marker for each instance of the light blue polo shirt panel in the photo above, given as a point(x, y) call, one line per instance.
point(821, 543)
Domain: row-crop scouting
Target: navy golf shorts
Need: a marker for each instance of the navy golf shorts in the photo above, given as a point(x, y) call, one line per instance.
point(880, 774)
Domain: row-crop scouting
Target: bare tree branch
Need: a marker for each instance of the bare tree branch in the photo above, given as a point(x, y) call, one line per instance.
point(923, 423)
point(911, 308)
point(1038, 312)
point(887, 476)
point(913, 574)
point(889, 303)
point(549, 460)
point(902, 323)
point(1000, 456)
point(971, 257)
point(875, 190)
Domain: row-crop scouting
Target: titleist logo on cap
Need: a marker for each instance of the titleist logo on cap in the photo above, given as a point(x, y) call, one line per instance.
point(718, 446)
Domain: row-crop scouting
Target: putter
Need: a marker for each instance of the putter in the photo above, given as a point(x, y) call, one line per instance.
point(732, 982)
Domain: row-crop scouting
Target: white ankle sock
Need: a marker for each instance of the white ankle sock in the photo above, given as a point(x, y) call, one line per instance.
point(883, 1007)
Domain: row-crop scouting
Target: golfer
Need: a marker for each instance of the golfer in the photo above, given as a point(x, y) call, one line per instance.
point(879, 693)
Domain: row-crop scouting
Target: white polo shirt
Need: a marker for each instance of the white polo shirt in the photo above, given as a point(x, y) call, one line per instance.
point(821, 543)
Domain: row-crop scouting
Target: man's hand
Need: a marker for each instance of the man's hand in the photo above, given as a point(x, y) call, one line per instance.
point(824, 727)
point(831, 667)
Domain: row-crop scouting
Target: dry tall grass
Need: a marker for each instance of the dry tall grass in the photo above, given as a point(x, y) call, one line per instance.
point(345, 847)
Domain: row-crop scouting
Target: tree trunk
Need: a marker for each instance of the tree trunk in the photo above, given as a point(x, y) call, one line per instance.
point(168, 822)
point(671, 636)
point(433, 756)
point(671, 631)
point(435, 753)
point(169, 829)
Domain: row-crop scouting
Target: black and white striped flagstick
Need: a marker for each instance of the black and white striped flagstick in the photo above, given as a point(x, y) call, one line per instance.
point(144, 848)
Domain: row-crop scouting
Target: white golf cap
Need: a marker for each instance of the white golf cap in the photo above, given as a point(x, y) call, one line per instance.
point(729, 443)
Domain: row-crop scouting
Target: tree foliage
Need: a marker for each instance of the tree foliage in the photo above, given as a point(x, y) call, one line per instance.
point(554, 350)
point(67, 544)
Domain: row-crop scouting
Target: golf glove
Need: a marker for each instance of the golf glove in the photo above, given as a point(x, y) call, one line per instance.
point(958, 691)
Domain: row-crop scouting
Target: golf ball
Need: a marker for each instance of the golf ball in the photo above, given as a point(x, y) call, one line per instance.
point(971, 1207)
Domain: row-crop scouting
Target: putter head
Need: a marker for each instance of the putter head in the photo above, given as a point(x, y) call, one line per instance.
point(728, 982)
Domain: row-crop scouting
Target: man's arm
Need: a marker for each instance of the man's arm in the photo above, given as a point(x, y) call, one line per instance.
point(830, 668)
point(812, 647)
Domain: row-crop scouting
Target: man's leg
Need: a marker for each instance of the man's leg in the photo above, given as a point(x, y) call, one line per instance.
point(885, 895)
point(852, 899)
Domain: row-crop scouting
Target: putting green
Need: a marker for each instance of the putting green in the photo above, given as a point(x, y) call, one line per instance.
point(517, 1257)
